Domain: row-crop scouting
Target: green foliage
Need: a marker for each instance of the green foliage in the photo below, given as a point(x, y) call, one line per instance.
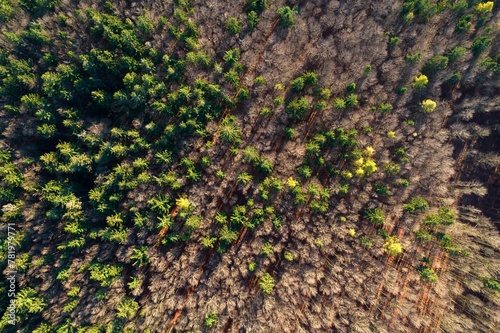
point(480, 44)
point(211, 320)
point(233, 26)
point(413, 57)
point(36, 6)
point(286, 16)
point(393, 42)
point(339, 103)
point(267, 249)
point(6, 10)
point(127, 308)
point(416, 204)
point(491, 284)
point(297, 108)
point(375, 216)
point(257, 5)
point(104, 274)
point(435, 64)
point(266, 283)
point(140, 256)
point(463, 25)
point(428, 274)
point(456, 53)
point(28, 302)
point(229, 130)
point(366, 242)
point(253, 19)
point(252, 266)
point(428, 105)
point(288, 256)
point(351, 100)
point(445, 216)
point(392, 168)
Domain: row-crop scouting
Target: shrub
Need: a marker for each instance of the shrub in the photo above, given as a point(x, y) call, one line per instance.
point(266, 283)
point(233, 26)
point(286, 16)
point(367, 70)
point(288, 256)
point(428, 105)
point(297, 84)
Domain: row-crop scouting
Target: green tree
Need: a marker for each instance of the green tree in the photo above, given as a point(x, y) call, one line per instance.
point(140, 256)
point(286, 16)
point(233, 26)
point(127, 308)
point(375, 216)
point(229, 130)
point(266, 283)
point(428, 274)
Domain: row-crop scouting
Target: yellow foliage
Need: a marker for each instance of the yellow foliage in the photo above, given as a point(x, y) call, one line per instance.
point(420, 81)
point(392, 246)
point(391, 134)
point(484, 7)
point(428, 105)
point(352, 232)
point(359, 172)
point(182, 203)
point(292, 182)
point(359, 161)
point(369, 151)
point(370, 166)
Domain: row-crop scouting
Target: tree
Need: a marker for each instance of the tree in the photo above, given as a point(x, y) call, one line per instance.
point(428, 274)
point(233, 26)
point(140, 256)
point(435, 64)
point(420, 82)
point(297, 108)
point(392, 246)
point(480, 44)
point(211, 320)
point(287, 15)
point(375, 216)
point(229, 130)
point(266, 283)
point(428, 105)
point(127, 308)
point(484, 7)
point(28, 302)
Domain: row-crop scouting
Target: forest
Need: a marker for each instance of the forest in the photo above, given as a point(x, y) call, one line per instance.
point(249, 166)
